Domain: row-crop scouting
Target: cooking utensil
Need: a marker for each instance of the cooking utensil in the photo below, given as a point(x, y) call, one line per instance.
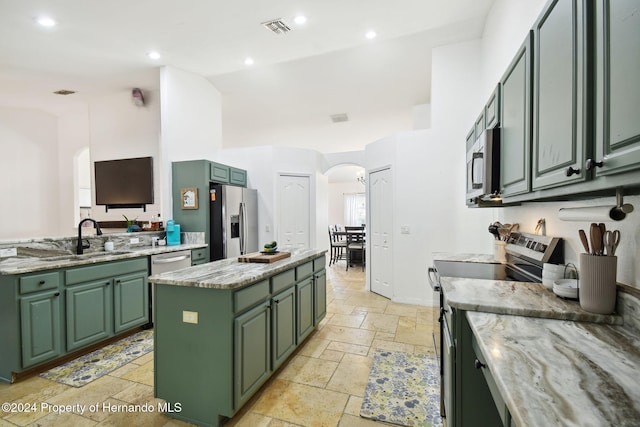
point(596, 239)
point(583, 239)
point(493, 229)
point(611, 241)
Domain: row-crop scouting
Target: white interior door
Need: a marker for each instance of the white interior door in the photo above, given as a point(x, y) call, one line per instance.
point(294, 208)
point(379, 230)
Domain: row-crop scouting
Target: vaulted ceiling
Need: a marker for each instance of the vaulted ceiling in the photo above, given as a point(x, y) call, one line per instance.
point(298, 80)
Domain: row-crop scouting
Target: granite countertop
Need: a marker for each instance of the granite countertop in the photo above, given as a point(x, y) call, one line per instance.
point(29, 264)
point(516, 298)
point(554, 372)
point(231, 274)
point(448, 256)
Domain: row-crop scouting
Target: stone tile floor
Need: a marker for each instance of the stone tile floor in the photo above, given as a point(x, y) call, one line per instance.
point(322, 383)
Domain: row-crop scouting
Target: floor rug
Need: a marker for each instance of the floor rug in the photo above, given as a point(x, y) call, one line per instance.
point(91, 366)
point(403, 388)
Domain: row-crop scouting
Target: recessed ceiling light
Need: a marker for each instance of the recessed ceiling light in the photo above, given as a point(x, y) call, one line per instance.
point(45, 21)
point(370, 34)
point(300, 19)
point(249, 61)
point(153, 55)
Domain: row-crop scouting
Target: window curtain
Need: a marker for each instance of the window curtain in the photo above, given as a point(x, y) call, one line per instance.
point(355, 209)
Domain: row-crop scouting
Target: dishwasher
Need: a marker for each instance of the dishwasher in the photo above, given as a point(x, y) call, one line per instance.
point(163, 263)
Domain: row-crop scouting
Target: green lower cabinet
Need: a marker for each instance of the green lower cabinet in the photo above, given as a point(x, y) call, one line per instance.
point(320, 296)
point(283, 325)
point(89, 313)
point(252, 354)
point(473, 398)
point(40, 326)
point(130, 301)
point(304, 315)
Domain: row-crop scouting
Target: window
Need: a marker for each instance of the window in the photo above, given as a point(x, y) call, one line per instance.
point(355, 209)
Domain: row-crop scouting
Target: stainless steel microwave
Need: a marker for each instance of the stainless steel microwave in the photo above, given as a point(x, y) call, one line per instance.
point(483, 169)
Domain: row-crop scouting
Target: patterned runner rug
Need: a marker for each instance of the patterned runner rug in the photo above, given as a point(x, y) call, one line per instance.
point(91, 366)
point(404, 389)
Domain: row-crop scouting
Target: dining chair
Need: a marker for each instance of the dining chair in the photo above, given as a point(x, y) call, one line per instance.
point(355, 244)
point(337, 246)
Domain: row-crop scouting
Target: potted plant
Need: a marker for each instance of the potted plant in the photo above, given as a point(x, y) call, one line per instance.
point(131, 224)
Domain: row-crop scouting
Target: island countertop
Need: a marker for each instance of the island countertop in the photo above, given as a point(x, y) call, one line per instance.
point(232, 274)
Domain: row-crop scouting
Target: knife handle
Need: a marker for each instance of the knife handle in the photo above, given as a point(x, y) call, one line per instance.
point(583, 239)
point(596, 239)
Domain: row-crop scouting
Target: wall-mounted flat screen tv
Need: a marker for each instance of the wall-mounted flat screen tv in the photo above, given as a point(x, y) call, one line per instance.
point(124, 183)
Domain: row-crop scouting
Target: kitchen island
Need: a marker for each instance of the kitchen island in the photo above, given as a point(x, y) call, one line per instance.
point(540, 359)
point(224, 327)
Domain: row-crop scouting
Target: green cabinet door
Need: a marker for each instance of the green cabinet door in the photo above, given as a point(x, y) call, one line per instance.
point(480, 125)
point(40, 327)
point(237, 176)
point(283, 325)
point(492, 109)
point(89, 313)
point(617, 98)
point(219, 173)
point(515, 123)
point(559, 102)
point(130, 301)
point(304, 309)
point(252, 356)
point(320, 295)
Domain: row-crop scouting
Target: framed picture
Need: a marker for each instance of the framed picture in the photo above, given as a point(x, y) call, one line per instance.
point(189, 197)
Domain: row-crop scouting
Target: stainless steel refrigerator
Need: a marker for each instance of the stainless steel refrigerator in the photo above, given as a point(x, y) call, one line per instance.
point(234, 221)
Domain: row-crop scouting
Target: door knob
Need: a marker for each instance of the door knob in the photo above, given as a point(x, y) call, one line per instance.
point(478, 364)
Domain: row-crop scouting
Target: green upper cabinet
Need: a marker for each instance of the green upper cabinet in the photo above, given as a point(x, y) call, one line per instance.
point(471, 137)
point(237, 176)
point(617, 96)
point(480, 125)
point(515, 123)
point(219, 173)
point(559, 89)
point(492, 109)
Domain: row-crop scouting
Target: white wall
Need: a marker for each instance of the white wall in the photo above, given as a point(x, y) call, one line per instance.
point(119, 130)
point(29, 188)
point(191, 121)
point(74, 137)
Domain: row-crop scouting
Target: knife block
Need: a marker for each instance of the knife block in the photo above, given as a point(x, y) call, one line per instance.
point(597, 291)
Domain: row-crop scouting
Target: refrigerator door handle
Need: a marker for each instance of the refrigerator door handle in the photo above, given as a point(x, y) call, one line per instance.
point(243, 225)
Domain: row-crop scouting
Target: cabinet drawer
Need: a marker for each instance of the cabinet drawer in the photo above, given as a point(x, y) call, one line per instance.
point(495, 393)
point(319, 263)
point(103, 270)
point(304, 270)
point(251, 295)
point(198, 254)
point(39, 282)
point(283, 280)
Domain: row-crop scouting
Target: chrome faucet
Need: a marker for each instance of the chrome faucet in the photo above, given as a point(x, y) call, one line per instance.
point(81, 246)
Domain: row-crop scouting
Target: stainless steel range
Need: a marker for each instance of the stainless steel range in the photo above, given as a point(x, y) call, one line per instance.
point(526, 254)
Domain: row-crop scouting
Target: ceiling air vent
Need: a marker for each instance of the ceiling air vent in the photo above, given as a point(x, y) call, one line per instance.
point(64, 92)
point(276, 26)
point(337, 118)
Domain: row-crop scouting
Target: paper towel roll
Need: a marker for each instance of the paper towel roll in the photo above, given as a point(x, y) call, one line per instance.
point(592, 214)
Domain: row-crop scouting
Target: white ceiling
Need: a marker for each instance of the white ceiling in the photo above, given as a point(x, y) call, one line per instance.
point(322, 68)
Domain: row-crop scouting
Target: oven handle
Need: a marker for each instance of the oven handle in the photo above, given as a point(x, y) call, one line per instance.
point(432, 275)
